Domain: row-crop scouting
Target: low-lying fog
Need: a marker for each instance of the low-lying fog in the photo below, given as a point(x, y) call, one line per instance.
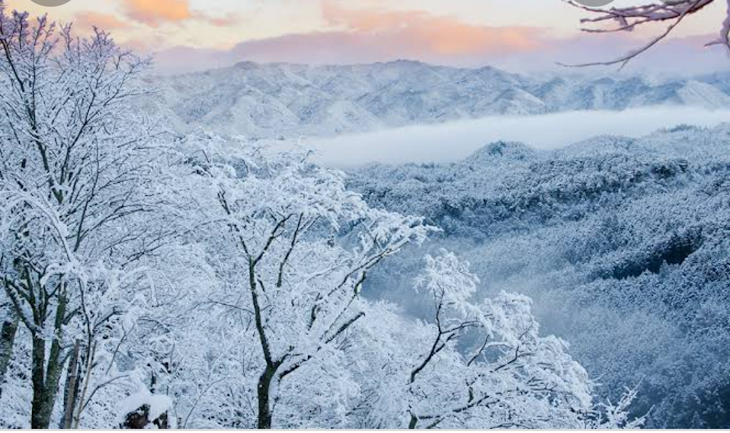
point(455, 140)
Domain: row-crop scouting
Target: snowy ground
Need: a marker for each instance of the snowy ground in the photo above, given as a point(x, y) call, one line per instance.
point(454, 141)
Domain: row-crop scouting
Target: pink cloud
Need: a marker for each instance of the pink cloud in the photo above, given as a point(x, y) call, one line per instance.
point(374, 34)
point(88, 20)
point(349, 48)
point(420, 32)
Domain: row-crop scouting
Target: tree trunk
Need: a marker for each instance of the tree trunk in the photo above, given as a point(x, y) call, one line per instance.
point(264, 387)
point(71, 387)
point(84, 384)
point(45, 377)
point(265, 415)
point(38, 378)
point(7, 339)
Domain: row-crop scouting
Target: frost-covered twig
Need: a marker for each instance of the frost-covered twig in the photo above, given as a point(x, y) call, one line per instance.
point(629, 18)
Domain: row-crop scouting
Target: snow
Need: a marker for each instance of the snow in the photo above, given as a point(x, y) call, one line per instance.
point(158, 405)
point(621, 242)
point(231, 282)
point(289, 100)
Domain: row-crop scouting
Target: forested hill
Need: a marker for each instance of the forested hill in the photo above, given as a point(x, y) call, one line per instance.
point(623, 244)
point(289, 100)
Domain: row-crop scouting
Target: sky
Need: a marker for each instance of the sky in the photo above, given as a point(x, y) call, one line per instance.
point(520, 35)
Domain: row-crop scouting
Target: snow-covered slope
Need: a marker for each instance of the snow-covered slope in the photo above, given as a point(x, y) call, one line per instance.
point(623, 243)
point(288, 100)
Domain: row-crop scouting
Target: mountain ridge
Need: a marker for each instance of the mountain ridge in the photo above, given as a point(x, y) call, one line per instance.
point(287, 100)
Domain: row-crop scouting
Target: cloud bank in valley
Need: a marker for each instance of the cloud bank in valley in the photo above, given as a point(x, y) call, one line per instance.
point(454, 141)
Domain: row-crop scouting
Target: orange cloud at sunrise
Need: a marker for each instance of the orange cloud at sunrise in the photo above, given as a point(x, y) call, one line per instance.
point(156, 12)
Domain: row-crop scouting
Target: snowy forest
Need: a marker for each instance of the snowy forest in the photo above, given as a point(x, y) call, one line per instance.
point(158, 279)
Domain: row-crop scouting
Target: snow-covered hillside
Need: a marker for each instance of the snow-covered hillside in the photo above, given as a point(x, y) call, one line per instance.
point(623, 244)
point(288, 100)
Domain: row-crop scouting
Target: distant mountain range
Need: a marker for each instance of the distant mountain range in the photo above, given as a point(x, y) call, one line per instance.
point(290, 100)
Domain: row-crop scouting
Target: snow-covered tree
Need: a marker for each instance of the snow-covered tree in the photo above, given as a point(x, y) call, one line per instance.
point(76, 167)
point(297, 346)
point(472, 364)
point(298, 250)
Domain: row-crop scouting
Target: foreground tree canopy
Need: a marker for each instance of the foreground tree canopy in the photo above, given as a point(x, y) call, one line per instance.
point(154, 280)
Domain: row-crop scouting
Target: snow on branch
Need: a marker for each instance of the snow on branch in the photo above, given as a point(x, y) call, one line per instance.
point(627, 19)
